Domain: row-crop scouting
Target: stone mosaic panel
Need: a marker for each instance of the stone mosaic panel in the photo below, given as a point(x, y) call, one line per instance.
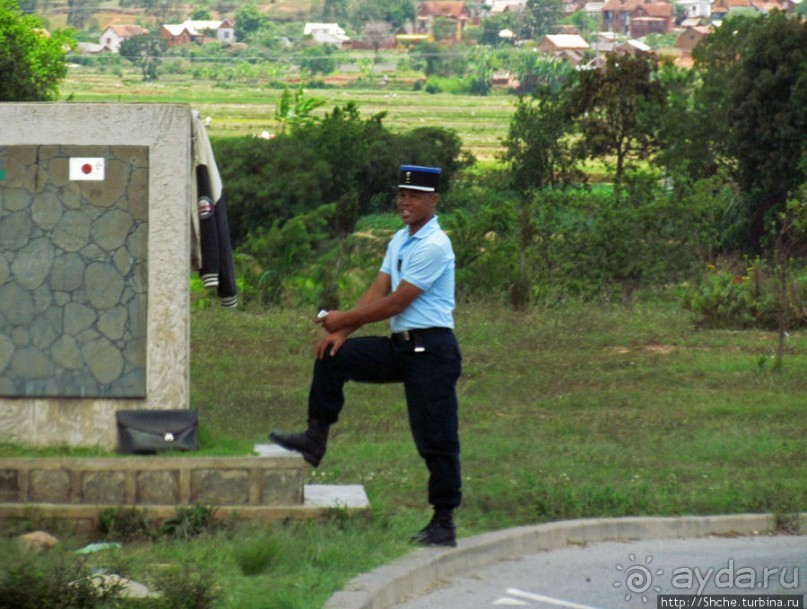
point(73, 274)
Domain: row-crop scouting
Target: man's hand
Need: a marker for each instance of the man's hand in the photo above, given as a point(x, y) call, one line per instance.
point(333, 321)
point(331, 343)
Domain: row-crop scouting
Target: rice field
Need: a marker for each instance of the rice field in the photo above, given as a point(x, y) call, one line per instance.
point(243, 109)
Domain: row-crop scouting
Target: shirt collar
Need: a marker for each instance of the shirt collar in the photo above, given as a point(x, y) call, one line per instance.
point(427, 229)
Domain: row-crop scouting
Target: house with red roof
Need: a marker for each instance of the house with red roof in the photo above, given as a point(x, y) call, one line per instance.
point(176, 34)
point(115, 35)
point(637, 18)
point(568, 47)
point(691, 36)
point(721, 8)
point(430, 10)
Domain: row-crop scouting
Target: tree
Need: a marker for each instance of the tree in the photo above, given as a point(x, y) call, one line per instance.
point(79, 12)
point(768, 111)
point(318, 59)
point(443, 29)
point(616, 109)
point(162, 10)
point(334, 11)
point(535, 71)
point(201, 14)
point(788, 244)
point(538, 18)
point(585, 22)
point(296, 111)
point(492, 25)
point(434, 58)
point(308, 166)
point(144, 52)
point(394, 12)
point(32, 62)
point(537, 148)
point(754, 88)
point(377, 33)
point(248, 20)
point(688, 152)
point(539, 156)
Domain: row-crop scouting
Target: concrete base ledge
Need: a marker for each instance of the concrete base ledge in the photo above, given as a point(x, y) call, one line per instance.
point(412, 575)
point(154, 480)
point(266, 486)
point(319, 500)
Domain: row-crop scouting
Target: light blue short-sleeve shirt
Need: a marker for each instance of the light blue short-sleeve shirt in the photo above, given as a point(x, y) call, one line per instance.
point(426, 260)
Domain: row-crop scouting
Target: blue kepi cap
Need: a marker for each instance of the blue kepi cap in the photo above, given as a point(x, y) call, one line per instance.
point(416, 177)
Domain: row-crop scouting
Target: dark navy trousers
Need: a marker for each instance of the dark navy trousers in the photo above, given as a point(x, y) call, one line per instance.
point(429, 378)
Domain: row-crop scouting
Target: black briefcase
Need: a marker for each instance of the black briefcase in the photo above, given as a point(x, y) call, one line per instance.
point(143, 432)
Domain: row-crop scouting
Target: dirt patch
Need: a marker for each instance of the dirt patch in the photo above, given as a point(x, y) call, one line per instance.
point(649, 348)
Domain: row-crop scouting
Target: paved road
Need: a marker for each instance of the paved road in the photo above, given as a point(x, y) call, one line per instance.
point(631, 575)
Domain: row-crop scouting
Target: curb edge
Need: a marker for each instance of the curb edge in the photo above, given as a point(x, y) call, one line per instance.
point(391, 584)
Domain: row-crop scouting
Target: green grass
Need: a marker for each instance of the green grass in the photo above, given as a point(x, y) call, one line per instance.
point(571, 412)
point(577, 411)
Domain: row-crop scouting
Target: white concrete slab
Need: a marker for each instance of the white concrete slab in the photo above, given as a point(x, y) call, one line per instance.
point(336, 496)
point(273, 450)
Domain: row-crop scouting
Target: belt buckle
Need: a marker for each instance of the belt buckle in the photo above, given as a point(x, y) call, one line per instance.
point(406, 336)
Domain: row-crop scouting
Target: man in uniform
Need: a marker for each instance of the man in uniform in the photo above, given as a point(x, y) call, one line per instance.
point(415, 290)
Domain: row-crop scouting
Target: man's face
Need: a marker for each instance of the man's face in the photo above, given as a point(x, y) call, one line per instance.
point(416, 207)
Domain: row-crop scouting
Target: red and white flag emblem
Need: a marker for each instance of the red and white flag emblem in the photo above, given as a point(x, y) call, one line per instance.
point(82, 168)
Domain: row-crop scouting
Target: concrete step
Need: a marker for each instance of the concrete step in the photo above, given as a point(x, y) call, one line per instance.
point(267, 485)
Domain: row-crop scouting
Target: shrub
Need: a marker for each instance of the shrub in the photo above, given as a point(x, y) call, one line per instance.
point(189, 521)
point(258, 554)
point(730, 300)
point(125, 524)
point(294, 173)
point(50, 580)
point(188, 587)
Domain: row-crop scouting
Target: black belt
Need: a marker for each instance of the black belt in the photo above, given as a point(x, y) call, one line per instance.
point(408, 335)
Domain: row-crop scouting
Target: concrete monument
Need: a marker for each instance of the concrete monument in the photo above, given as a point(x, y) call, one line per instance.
point(95, 216)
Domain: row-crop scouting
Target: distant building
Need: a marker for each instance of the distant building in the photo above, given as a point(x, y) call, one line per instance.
point(605, 42)
point(89, 48)
point(430, 10)
point(500, 7)
point(115, 35)
point(593, 8)
point(695, 9)
point(568, 47)
point(176, 34)
point(557, 42)
point(637, 18)
point(632, 47)
point(326, 33)
point(690, 38)
point(221, 31)
point(572, 6)
point(721, 8)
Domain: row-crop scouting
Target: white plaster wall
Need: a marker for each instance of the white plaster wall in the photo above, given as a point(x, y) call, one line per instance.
point(166, 130)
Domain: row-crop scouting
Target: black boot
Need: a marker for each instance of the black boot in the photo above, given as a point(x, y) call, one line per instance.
point(311, 443)
point(440, 531)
